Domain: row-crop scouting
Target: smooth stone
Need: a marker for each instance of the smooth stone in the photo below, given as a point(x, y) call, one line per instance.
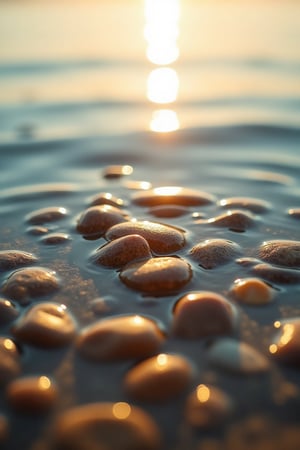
point(161, 238)
point(8, 311)
point(45, 215)
point(14, 259)
point(172, 195)
point(234, 220)
point(55, 239)
point(37, 230)
point(98, 219)
point(31, 395)
point(294, 213)
point(106, 198)
point(117, 171)
point(122, 337)
point(252, 291)
point(207, 406)
point(105, 426)
point(4, 428)
point(103, 305)
point(159, 378)
point(47, 325)
point(285, 347)
point(238, 357)
point(23, 285)
point(10, 361)
point(254, 205)
point(215, 252)
point(281, 252)
point(277, 275)
point(121, 251)
point(157, 276)
point(202, 313)
point(168, 211)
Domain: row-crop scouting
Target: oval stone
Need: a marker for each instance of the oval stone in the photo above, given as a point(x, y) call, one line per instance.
point(55, 239)
point(252, 291)
point(117, 171)
point(122, 337)
point(215, 252)
point(279, 275)
point(172, 195)
point(10, 361)
point(234, 220)
point(158, 378)
point(157, 276)
point(294, 213)
point(254, 205)
point(286, 343)
point(281, 252)
point(45, 215)
point(168, 211)
point(98, 219)
point(161, 238)
point(106, 198)
point(8, 311)
point(14, 259)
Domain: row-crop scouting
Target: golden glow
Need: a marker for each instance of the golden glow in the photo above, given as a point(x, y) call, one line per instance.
point(164, 120)
point(287, 334)
point(44, 383)
point(162, 85)
point(277, 324)
point(138, 320)
point(203, 393)
point(168, 190)
point(162, 360)
point(273, 348)
point(121, 410)
point(9, 344)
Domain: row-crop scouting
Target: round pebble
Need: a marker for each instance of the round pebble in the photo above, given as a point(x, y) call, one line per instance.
point(46, 215)
point(8, 311)
point(294, 213)
point(252, 291)
point(55, 239)
point(202, 313)
point(26, 284)
point(45, 325)
point(168, 211)
point(117, 171)
point(157, 276)
point(215, 252)
point(122, 337)
point(98, 219)
point(121, 251)
point(234, 220)
point(207, 406)
point(281, 252)
point(158, 378)
point(31, 395)
point(105, 305)
point(277, 275)
point(285, 347)
point(13, 259)
point(254, 205)
point(162, 238)
point(37, 230)
point(106, 198)
point(172, 195)
point(10, 361)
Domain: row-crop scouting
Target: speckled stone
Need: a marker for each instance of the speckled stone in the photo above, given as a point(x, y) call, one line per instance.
point(14, 259)
point(10, 361)
point(255, 205)
point(172, 195)
point(285, 347)
point(234, 220)
point(277, 275)
point(8, 311)
point(252, 291)
point(106, 198)
point(98, 219)
point(45, 215)
point(281, 252)
point(215, 252)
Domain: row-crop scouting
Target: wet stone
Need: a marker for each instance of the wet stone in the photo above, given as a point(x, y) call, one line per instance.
point(252, 291)
point(10, 361)
point(168, 211)
point(31, 395)
point(159, 378)
point(103, 305)
point(294, 213)
point(122, 337)
point(98, 219)
point(23, 285)
point(162, 238)
point(8, 311)
point(47, 325)
point(234, 220)
point(106, 198)
point(215, 252)
point(285, 347)
point(37, 230)
point(281, 252)
point(203, 313)
point(45, 215)
point(121, 251)
point(157, 276)
point(55, 239)
point(117, 171)
point(106, 426)
point(172, 195)
point(277, 275)
point(14, 259)
point(254, 205)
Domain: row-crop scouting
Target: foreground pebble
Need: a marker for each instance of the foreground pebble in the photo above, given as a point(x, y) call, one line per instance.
point(215, 252)
point(286, 343)
point(8, 311)
point(45, 325)
point(234, 220)
point(98, 219)
point(157, 275)
point(105, 426)
point(46, 215)
point(252, 291)
point(281, 252)
point(202, 313)
point(172, 195)
point(123, 337)
point(10, 361)
point(254, 205)
point(14, 259)
point(158, 378)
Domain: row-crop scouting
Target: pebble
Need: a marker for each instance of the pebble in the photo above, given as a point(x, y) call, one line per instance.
point(10, 361)
point(252, 291)
point(4, 428)
point(285, 347)
point(281, 252)
point(37, 230)
point(45, 215)
point(103, 305)
point(122, 337)
point(202, 313)
point(172, 195)
point(47, 325)
point(106, 426)
point(234, 220)
point(254, 205)
point(237, 357)
point(98, 219)
point(8, 311)
point(121, 251)
point(106, 198)
point(207, 406)
point(294, 213)
point(55, 239)
point(215, 252)
point(278, 275)
point(168, 211)
point(23, 285)
point(162, 238)
point(158, 378)
point(31, 395)
point(157, 276)
point(14, 259)
point(117, 171)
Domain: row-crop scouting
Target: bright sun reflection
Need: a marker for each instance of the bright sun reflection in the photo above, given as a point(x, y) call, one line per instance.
point(164, 120)
point(162, 85)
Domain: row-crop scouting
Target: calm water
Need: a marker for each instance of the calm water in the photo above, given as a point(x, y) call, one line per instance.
point(77, 95)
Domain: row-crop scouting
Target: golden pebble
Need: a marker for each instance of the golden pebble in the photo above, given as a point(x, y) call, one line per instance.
point(252, 291)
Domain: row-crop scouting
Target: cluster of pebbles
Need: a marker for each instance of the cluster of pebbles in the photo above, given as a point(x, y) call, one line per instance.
point(156, 259)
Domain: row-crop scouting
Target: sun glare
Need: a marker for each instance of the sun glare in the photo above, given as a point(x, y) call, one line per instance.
point(164, 121)
point(162, 86)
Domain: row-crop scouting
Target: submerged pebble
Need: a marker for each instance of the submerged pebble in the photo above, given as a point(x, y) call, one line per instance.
point(103, 305)
point(285, 347)
point(157, 275)
point(202, 313)
point(172, 195)
point(45, 325)
point(55, 239)
point(106, 198)
point(117, 171)
point(158, 378)
point(98, 219)
point(168, 211)
point(45, 215)
point(8, 311)
point(234, 220)
point(215, 252)
point(162, 238)
point(252, 291)
point(122, 337)
point(254, 205)
point(278, 275)
point(281, 252)
point(10, 361)
point(23, 285)
point(37, 230)
point(105, 426)
point(13, 259)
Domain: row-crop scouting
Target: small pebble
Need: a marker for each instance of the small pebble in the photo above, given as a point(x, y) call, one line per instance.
point(47, 325)
point(101, 306)
point(157, 276)
point(252, 291)
point(46, 215)
point(31, 395)
point(172, 195)
point(215, 252)
point(286, 343)
point(294, 213)
point(168, 211)
point(158, 378)
point(234, 220)
point(14, 259)
point(281, 252)
point(10, 361)
point(122, 337)
point(105, 198)
point(55, 239)
point(254, 205)
point(105, 426)
point(121, 251)
point(8, 311)
point(37, 230)
point(98, 219)
point(278, 275)
point(202, 313)
point(117, 171)
point(23, 285)
point(162, 238)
